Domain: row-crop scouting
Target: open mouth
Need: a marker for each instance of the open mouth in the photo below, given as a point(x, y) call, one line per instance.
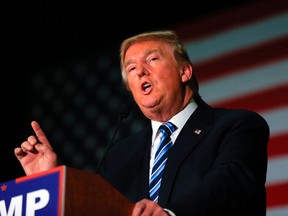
point(146, 87)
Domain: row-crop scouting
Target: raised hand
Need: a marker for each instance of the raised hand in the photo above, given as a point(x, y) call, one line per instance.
point(36, 153)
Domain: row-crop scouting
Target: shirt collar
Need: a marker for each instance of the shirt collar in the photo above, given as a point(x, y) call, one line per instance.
point(179, 119)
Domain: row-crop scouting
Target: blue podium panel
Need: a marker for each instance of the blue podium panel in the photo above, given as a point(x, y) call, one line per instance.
point(38, 194)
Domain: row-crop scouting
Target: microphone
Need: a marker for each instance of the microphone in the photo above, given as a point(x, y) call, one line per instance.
point(124, 112)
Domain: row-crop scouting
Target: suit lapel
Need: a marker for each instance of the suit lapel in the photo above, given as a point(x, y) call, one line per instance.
point(193, 131)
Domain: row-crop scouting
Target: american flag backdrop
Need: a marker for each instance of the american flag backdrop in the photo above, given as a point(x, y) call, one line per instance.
point(240, 59)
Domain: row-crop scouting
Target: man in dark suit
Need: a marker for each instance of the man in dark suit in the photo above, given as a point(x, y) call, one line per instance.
point(217, 162)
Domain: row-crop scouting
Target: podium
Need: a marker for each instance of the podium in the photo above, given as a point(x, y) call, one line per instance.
point(62, 191)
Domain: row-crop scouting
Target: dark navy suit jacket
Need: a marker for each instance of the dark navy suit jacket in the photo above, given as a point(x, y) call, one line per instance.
point(217, 165)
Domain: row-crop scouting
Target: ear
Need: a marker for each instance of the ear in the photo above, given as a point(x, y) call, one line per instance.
point(186, 72)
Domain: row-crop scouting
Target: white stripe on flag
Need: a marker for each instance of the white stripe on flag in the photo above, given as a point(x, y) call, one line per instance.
point(277, 170)
point(238, 38)
point(283, 211)
point(277, 120)
point(245, 82)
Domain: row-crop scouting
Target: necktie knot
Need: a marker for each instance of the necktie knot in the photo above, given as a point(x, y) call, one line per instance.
point(167, 128)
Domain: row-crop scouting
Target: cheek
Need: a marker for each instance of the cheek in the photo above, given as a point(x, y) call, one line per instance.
point(132, 83)
point(171, 81)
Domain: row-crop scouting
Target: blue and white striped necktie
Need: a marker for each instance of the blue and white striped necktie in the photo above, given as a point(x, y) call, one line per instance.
point(160, 159)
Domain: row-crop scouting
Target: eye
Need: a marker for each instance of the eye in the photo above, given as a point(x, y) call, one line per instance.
point(152, 59)
point(130, 68)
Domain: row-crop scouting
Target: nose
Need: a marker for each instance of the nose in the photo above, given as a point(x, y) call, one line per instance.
point(141, 71)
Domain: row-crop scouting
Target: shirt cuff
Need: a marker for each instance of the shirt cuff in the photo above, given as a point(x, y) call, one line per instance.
point(169, 212)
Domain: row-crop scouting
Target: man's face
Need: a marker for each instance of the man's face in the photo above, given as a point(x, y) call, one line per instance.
point(154, 78)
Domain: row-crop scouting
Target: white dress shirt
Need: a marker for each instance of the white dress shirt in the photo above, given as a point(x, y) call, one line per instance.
point(178, 120)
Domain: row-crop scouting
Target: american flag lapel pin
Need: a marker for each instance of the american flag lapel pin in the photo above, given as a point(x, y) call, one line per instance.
point(197, 131)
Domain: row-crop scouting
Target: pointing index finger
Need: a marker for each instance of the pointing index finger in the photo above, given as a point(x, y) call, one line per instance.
point(39, 132)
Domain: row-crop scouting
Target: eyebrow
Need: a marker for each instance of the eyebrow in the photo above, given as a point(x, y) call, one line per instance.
point(146, 53)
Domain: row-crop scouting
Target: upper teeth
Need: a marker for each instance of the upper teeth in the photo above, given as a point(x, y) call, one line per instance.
point(146, 86)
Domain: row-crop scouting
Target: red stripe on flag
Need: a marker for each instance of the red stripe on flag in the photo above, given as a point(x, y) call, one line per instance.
point(276, 195)
point(247, 58)
point(259, 101)
point(278, 145)
point(234, 17)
